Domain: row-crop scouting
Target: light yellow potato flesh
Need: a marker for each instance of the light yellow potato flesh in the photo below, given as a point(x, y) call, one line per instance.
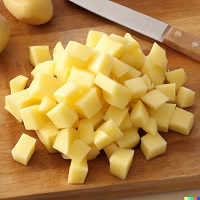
point(4, 33)
point(34, 12)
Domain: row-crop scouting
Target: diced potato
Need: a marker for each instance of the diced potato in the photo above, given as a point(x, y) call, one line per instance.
point(24, 149)
point(126, 123)
point(177, 76)
point(120, 162)
point(128, 59)
point(97, 119)
point(111, 129)
point(47, 104)
point(68, 93)
point(39, 54)
point(102, 64)
point(78, 172)
point(154, 99)
point(185, 97)
point(131, 39)
point(110, 149)
point(110, 46)
point(64, 140)
point(130, 139)
point(63, 116)
point(86, 131)
point(120, 97)
point(44, 85)
point(101, 139)
point(181, 121)
point(47, 67)
point(93, 153)
point(78, 150)
point(47, 135)
point(153, 146)
point(139, 115)
point(18, 83)
point(151, 126)
point(57, 52)
point(158, 55)
point(89, 103)
point(32, 118)
point(82, 77)
point(137, 87)
point(116, 114)
point(93, 38)
point(168, 89)
point(163, 116)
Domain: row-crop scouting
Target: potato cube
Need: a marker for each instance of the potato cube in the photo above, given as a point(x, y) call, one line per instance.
point(110, 149)
point(68, 93)
point(47, 67)
point(39, 54)
point(139, 115)
point(130, 139)
point(64, 140)
point(102, 64)
point(154, 99)
point(18, 83)
point(44, 85)
point(151, 126)
point(116, 114)
point(163, 116)
point(126, 123)
point(78, 150)
point(120, 97)
point(82, 77)
point(120, 162)
point(63, 116)
point(131, 39)
point(137, 87)
point(110, 46)
point(24, 149)
point(77, 172)
point(93, 38)
point(181, 121)
point(177, 76)
point(89, 103)
point(111, 129)
point(168, 89)
point(153, 146)
point(128, 59)
point(33, 119)
point(158, 55)
point(47, 104)
point(93, 153)
point(58, 52)
point(47, 135)
point(86, 131)
point(101, 139)
point(185, 97)
point(97, 119)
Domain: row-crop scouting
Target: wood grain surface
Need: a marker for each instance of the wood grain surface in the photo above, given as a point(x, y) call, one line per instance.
point(45, 177)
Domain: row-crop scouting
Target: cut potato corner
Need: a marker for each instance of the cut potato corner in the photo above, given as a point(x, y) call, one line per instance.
point(24, 149)
point(110, 149)
point(120, 162)
point(64, 140)
point(185, 97)
point(129, 37)
point(153, 146)
point(18, 83)
point(93, 38)
point(47, 104)
point(78, 172)
point(93, 153)
point(181, 121)
point(151, 126)
point(126, 123)
point(39, 54)
point(57, 52)
point(47, 135)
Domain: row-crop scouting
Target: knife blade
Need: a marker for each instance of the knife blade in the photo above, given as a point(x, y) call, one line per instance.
point(175, 38)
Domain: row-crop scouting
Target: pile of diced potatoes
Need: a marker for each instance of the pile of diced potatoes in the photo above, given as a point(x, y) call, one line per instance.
point(95, 97)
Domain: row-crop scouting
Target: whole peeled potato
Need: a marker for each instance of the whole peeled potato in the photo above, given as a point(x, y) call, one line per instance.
point(4, 32)
point(34, 12)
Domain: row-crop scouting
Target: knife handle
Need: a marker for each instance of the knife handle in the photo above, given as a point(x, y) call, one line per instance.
point(182, 41)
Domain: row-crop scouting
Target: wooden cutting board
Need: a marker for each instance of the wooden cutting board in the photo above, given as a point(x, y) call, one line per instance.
point(45, 177)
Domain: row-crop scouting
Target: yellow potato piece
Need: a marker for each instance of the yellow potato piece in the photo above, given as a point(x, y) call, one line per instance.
point(18, 83)
point(24, 149)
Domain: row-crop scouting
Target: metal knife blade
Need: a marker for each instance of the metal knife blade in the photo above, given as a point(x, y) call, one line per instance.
point(177, 39)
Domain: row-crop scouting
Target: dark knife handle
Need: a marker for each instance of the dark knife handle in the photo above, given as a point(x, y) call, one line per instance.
point(182, 41)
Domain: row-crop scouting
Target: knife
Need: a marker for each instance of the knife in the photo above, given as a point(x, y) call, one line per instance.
point(177, 39)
